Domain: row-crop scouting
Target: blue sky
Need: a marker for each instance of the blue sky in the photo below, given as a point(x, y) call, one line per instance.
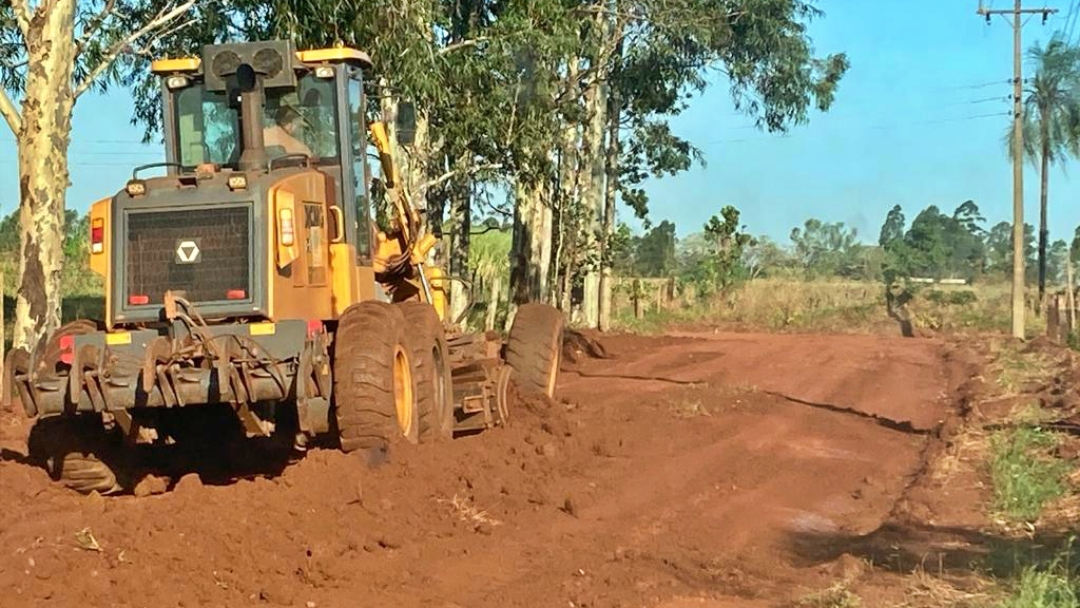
point(908, 128)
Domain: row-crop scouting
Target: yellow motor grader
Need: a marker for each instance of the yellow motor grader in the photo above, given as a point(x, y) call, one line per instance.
point(251, 276)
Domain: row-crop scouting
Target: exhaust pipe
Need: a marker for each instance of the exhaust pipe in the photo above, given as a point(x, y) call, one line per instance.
point(252, 99)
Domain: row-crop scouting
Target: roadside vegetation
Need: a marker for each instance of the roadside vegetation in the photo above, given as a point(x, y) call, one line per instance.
point(1025, 473)
point(1054, 585)
point(942, 273)
point(1035, 563)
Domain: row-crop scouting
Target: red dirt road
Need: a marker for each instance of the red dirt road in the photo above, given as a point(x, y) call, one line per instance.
point(684, 471)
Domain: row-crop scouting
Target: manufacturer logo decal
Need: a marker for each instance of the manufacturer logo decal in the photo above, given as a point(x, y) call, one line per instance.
point(188, 252)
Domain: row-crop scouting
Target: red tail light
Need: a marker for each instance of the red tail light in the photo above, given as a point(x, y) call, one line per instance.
point(97, 235)
point(236, 294)
point(138, 300)
point(67, 349)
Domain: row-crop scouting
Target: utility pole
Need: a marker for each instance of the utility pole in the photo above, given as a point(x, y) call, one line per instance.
point(1017, 12)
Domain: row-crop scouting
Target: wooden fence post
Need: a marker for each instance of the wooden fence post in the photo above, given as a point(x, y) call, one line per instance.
point(1071, 300)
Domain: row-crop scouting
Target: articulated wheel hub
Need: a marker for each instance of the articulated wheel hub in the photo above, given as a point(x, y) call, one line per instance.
point(481, 387)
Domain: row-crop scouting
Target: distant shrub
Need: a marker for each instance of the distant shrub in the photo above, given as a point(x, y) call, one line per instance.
point(951, 298)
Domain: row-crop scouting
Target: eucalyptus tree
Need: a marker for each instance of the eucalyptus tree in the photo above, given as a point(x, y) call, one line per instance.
point(563, 103)
point(51, 53)
point(670, 50)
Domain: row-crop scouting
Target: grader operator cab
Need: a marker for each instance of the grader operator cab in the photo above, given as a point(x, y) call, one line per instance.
point(252, 274)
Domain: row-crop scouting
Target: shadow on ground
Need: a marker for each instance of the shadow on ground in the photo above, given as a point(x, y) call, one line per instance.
point(902, 548)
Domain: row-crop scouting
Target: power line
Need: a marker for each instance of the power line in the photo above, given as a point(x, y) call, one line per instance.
point(1070, 19)
point(962, 118)
point(980, 85)
point(873, 127)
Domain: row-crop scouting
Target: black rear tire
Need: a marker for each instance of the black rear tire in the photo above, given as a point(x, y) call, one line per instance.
point(374, 380)
point(431, 358)
point(78, 452)
point(534, 348)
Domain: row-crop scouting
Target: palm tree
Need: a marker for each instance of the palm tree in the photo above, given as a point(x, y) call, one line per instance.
point(1051, 120)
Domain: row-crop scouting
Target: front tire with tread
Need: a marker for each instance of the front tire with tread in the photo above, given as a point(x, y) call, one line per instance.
point(534, 348)
point(431, 360)
point(367, 390)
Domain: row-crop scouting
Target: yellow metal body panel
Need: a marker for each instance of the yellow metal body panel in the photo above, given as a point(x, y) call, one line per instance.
point(344, 283)
point(284, 211)
point(439, 287)
point(300, 283)
point(386, 248)
point(365, 283)
point(339, 54)
point(168, 66)
point(100, 263)
point(422, 247)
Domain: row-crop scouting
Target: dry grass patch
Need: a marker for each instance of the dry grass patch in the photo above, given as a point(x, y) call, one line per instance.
point(1017, 370)
point(468, 512)
point(926, 590)
point(836, 596)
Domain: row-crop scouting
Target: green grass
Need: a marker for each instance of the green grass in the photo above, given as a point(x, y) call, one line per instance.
point(657, 321)
point(1053, 585)
point(1043, 589)
point(1026, 476)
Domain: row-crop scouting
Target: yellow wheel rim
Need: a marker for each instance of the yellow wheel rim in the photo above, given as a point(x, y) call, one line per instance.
point(403, 391)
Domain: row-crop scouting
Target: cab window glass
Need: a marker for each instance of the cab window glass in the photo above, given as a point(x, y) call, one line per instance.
point(208, 130)
point(358, 141)
point(303, 120)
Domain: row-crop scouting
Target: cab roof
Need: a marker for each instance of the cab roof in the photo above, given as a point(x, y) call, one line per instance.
point(312, 57)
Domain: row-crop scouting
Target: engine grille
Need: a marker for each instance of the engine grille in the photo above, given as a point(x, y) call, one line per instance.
point(203, 253)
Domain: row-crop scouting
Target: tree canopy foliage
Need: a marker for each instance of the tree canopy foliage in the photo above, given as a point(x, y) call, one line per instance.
point(566, 104)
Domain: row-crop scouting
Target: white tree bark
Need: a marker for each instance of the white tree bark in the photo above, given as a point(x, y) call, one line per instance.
point(494, 296)
point(42, 130)
point(608, 223)
point(567, 201)
point(43, 170)
point(592, 195)
point(460, 231)
point(531, 250)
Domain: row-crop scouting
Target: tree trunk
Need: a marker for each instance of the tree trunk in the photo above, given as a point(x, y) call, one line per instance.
point(1043, 197)
point(417, 158)
point(43, 171)
point(1071, 299)
point(569, 217)
point(494, 291)
point(461, 227)
point(567, 202)
point(531, 248)
point(592, 194)
point(614, 114)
